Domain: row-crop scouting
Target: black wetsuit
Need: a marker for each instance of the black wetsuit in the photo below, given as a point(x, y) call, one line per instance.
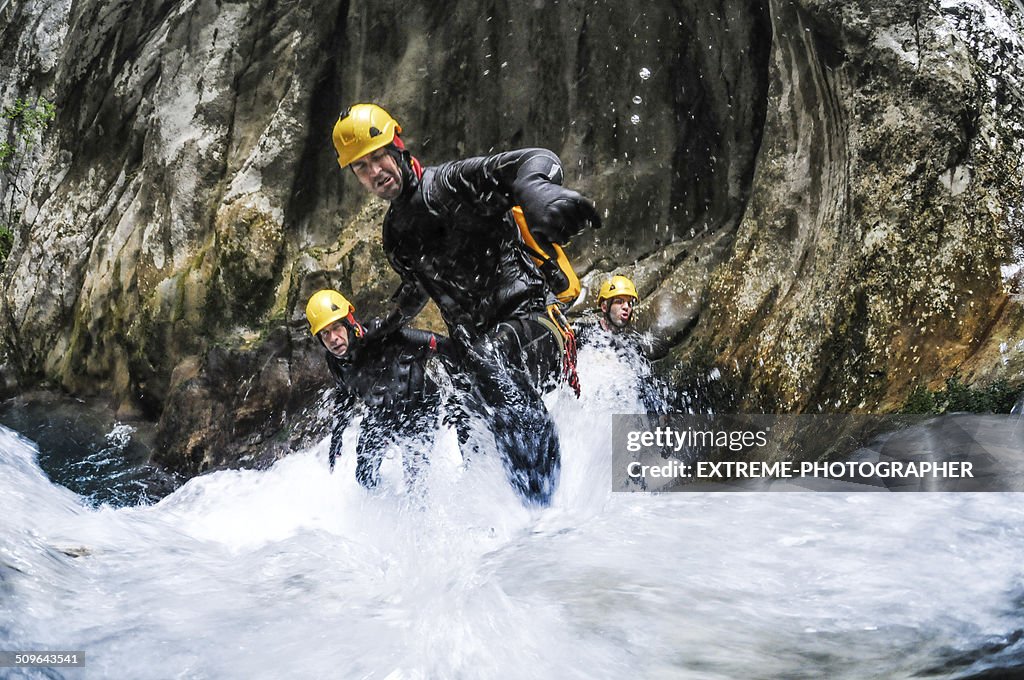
point(450, 239)
point(388, 378)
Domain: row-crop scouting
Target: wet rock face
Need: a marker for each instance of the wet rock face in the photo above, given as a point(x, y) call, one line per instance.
point(242, 406)
point(884, 203)
point(814, 197)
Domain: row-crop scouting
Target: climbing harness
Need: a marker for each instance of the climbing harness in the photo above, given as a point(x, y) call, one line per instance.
point(556, 322)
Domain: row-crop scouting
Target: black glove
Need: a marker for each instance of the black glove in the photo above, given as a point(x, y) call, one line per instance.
point(377, 329)
point(555, 212)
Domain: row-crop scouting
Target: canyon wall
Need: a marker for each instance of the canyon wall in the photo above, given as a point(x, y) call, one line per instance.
point(819, 201)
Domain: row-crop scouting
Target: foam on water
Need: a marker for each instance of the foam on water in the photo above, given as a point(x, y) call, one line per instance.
point(295, 572)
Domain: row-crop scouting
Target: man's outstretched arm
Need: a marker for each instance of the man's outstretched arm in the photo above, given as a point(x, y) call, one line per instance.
point(530, 178)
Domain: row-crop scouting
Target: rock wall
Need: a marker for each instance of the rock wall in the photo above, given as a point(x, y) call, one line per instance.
point(815, 198)
point(886, 199)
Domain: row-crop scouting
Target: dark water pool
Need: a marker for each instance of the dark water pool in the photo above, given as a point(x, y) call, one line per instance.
point(83, 447)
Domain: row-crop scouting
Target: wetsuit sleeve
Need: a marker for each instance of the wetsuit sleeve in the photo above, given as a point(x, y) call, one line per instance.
point(486, 184)
point(416, 339)
point(427, 343)
point(409, 300)
point(531, 178)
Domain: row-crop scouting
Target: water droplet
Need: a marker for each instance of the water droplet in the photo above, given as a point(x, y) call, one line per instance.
point(638, 100)
point(645, 73)
point(634, 119)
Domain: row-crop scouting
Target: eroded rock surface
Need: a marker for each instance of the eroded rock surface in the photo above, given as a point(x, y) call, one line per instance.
point(886, 199)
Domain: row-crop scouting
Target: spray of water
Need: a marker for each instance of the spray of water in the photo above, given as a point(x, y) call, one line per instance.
point(295, 572)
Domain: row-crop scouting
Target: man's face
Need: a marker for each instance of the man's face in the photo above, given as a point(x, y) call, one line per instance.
point(335, 338)
point(378, 172)
point(619, 310)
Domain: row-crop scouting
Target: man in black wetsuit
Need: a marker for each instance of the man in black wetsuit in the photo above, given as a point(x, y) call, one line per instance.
point(449, 237)
point(613, 329)
point(387, 377)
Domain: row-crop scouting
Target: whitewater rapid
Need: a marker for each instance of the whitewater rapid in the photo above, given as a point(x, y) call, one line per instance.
point(293, 572)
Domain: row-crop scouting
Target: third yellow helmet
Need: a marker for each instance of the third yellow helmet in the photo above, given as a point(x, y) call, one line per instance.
point(325, 307)
point(362, 129)
point(616, 286)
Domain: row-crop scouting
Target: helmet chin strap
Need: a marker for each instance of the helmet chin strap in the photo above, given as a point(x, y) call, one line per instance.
point(612, 326)
point(607, 317)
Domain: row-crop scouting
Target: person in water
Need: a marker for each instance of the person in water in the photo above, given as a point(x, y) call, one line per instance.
point(448, 235)
point(616, 301)
point(385, 378)
point(612, 327)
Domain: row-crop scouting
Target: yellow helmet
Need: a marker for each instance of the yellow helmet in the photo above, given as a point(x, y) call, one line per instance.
point(325, 307)
point(616, 286)
point(362, 129)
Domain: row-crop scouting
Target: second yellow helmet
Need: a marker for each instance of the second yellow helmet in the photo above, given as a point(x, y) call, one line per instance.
point(362, 129)
point(325, 307)
point(616, 286)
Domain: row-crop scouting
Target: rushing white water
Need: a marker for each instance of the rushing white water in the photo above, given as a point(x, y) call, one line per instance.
point(294, 572)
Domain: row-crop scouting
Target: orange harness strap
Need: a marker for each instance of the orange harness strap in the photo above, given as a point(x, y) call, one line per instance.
point(569, 348)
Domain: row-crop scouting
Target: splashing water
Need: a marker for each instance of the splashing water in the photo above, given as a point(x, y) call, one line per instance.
point(294, 572)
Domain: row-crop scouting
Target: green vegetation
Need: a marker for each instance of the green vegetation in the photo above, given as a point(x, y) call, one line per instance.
point(957, 396)
point(27, 121)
